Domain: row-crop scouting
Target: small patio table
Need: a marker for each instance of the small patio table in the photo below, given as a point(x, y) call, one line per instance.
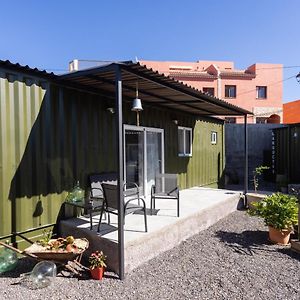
point(88, 205)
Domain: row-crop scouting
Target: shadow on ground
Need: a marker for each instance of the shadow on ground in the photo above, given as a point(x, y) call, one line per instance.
point(246, 242)
point(290, 253)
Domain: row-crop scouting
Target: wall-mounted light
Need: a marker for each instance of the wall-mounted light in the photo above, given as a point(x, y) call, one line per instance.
point(137, 105)
point(175, 121)
point(111, 110)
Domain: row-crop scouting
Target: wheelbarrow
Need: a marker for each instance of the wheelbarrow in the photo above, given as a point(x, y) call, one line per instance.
point(70, 261)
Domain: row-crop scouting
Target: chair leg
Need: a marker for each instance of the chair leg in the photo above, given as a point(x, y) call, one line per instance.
point(178, 207)
point(151, 206)
point(101, 213)
point(145, 219)
point(108, 218)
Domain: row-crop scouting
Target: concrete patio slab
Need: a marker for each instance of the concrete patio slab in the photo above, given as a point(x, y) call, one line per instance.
point(199, 208)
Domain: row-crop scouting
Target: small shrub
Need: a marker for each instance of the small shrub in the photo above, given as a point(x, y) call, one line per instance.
point(256, 173)
point(278, 210)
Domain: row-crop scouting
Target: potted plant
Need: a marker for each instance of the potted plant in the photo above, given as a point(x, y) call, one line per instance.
point(280, 213)
point(254, 197)
point(97, 264)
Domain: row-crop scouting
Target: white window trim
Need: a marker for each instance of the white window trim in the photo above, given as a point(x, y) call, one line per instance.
point(184, 154)
point(213, 137)
point(257, 92)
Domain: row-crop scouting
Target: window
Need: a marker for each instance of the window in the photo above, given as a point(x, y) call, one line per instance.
point(230, 120)
point(209, 90)
point(184, 141)
point(230, 91)
point(261, 92)
point(261, 120)
point(213, 137)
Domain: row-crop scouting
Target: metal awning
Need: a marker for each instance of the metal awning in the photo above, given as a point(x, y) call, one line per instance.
point(154, 89)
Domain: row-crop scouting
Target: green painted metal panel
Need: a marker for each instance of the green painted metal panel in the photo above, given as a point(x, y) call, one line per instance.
point(53, 136)
point(206, 166)
point(287, 149)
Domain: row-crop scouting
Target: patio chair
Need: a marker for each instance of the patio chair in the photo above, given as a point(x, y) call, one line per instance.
point(165, 188)
point(95, 181)
point(110, 203)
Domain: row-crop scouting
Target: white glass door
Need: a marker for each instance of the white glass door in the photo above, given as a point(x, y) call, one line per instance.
point(154, 142)
point(134, 157)
point(143, 156)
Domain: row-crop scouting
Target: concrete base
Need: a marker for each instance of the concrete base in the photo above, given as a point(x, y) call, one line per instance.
point(199, 209)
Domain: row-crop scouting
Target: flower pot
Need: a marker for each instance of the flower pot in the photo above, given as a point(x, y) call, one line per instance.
point(254, 197)
point(97, 273)
point(281, 237)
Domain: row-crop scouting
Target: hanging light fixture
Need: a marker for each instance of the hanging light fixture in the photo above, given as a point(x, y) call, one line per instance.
point(298, 77)
point(137, 105)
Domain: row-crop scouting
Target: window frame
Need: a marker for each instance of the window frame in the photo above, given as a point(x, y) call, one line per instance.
point(185, 129)
point(227, 87)
point(257, 92)
point(214, 137)
point(209, 88)
point(229, 119)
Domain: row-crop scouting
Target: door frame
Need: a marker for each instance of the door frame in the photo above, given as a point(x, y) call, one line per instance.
point(145, 130)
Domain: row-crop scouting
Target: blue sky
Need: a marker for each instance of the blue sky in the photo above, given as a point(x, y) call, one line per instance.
point(48, 34)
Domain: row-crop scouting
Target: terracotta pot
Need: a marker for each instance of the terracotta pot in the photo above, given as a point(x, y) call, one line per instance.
point(281, 237)
point(97, 273)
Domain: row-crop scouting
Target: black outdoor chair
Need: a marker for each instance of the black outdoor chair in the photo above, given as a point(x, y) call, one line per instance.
point(95, 181)
point(165, 188)
point(131, 194)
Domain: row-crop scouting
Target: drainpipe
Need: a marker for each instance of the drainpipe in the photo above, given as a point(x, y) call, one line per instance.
point(219, 84)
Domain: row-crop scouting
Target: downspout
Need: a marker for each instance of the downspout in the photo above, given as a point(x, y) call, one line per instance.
point(219, 84)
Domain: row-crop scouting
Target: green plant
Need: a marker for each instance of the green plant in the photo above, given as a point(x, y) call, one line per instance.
point(278, 210)
point(256, 173)
point(47, 234)
point(97, 260)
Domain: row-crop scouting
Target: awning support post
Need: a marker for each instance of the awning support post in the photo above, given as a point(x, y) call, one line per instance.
point(246, 155)
point(120, 164)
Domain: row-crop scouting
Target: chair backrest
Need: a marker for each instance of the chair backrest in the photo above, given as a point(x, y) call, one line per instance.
point(110, 192)
point(95, 182)
point(166, 183)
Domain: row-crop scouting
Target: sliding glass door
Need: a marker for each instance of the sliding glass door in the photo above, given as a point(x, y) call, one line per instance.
point(143, 157)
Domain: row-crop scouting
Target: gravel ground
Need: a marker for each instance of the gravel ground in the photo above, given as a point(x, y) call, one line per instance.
point(230, 260)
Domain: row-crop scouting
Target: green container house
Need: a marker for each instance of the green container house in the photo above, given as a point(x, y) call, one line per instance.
point(56, 130)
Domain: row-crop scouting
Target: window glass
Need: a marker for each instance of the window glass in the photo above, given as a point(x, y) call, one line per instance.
point(209, 90)
point(180, 141)
point(230, 91)
point(261, 120)
point(213, 137)
point(184, 141)
point(230, 120)
point(188, 140)
point(261, 92)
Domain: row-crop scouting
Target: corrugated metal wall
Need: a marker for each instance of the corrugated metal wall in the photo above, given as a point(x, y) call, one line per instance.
point(206, 165)
point(52, 136)
point(287, 151)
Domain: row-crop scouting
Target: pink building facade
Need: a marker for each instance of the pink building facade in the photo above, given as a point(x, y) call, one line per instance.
point(257, 88)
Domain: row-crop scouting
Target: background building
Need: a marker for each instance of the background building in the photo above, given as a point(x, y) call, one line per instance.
point(257, 88)
point(291, 112)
